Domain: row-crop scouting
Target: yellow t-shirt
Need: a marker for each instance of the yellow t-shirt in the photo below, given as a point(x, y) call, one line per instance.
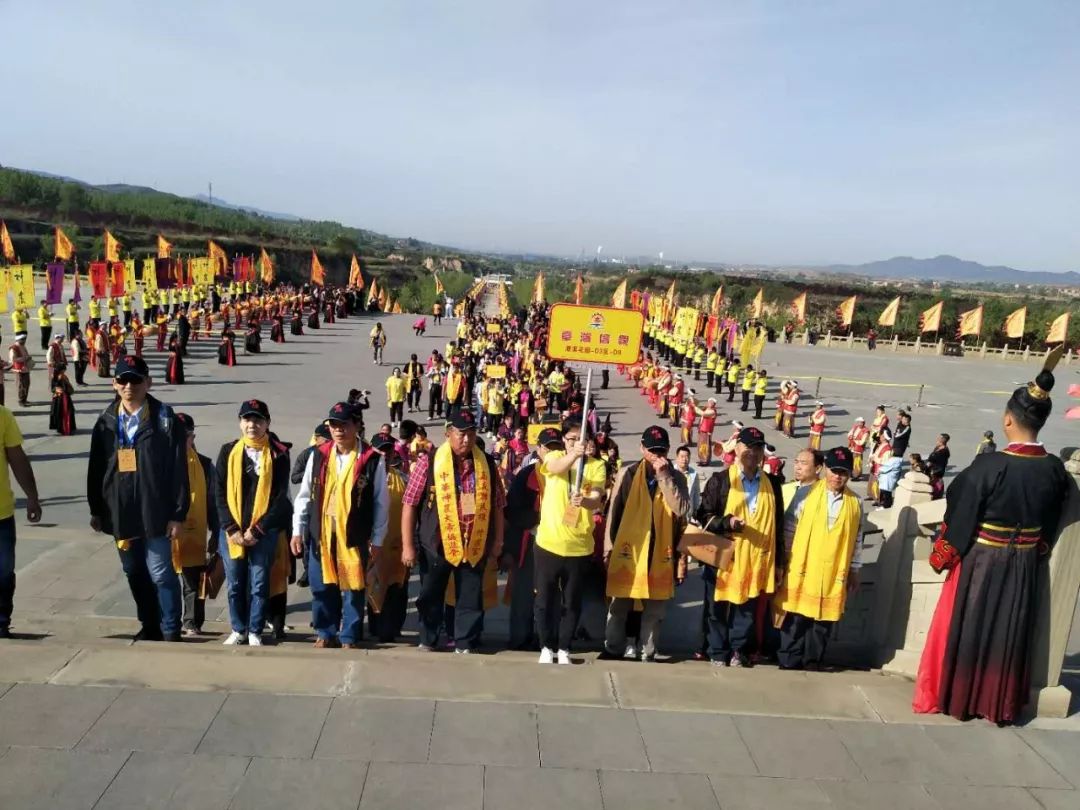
point(395, 389)
point(18, 320)
point(553, 534)
point(12, 437)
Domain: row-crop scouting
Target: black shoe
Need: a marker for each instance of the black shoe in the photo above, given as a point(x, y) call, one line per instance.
point(5, 633)
point(171, 637)
point(303, 581)
point(148, 634)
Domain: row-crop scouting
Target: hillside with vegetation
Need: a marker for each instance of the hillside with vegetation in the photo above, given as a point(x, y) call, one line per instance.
point(32, 204)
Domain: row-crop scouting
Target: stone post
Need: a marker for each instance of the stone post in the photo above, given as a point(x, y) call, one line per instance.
point(982, 351)
point(828, 340)
point(1057, 605)
point(895, 343)
point(851, 340)
point(918, 344)
point(939, 350)
point(806, 337)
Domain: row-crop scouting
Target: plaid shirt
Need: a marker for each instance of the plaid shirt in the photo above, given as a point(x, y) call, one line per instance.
point(466, 479)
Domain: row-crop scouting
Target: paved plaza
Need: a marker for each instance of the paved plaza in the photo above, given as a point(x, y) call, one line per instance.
point(90, 720)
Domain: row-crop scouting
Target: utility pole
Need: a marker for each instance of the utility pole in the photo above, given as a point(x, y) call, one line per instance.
point(210, 192)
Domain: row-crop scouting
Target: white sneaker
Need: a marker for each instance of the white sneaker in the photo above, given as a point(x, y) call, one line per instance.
point(631, 652)
point(564, 657)
point(546, 656)
point(255, 640)
point(235, 638)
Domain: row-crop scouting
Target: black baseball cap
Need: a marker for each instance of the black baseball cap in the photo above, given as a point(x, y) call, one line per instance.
point(131, 366)
point(655, 439)
point(342, 412)
point(464, 420)
point(751, 437)
point(254, 407)
point(322, 430)
point(549, 437)
point(383, 441)
point(839, 459)
point(189, 423)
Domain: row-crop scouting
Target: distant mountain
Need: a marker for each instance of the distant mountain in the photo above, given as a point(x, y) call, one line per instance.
point(950, 268)
point(249, 208)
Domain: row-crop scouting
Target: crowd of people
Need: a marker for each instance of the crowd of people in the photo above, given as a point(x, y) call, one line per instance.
point(523, 478)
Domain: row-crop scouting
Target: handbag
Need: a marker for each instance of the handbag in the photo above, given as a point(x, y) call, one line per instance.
point(708, 547)
point(212, 578)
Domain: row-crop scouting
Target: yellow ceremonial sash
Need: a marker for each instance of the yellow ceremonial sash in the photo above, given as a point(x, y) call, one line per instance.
point(386, 569)
point(453, 384)
point(341, 565)
point(447, 502)
point(631, 574)
point(189, 549)
point(815, 584)
point(752, 571)
point(235, 489)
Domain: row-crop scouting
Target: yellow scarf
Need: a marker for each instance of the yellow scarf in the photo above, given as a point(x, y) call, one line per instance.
point(386, 569)
point(341, 565)
point(453, 384)
point(752, 571)
point(815, 585)
point(447, 503)
point(236, 487)
point(189, 550)
point(631, 574)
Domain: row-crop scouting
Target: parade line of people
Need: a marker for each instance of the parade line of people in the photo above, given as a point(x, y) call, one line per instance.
point(523, 477)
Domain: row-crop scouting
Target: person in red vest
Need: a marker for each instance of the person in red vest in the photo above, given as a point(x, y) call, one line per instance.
point(818, 420)
point(857, 438)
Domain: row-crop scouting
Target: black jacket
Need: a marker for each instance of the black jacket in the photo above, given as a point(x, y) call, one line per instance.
point(278, 517)
point(714, 502)
point(139, 504)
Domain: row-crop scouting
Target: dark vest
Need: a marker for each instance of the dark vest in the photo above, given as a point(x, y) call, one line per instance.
point(362, 513)
point(430, 536)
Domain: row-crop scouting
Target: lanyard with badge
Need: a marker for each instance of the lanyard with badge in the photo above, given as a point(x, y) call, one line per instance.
point(466, 500)
point(125, 453)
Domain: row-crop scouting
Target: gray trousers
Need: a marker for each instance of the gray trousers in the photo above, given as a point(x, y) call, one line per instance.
point(651, 619)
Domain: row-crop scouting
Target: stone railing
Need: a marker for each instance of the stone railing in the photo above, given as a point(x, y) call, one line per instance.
point(886, 624)
point(980, 351)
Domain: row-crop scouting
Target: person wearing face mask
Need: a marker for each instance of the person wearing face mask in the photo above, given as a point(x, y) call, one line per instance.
point(252, 493)
point(747, 503)
point(823, 564)
point(137, 490)
point(646, 515)
point(342, 507)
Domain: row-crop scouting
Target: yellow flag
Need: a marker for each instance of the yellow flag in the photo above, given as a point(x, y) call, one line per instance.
point(798, 308)
point(888, 315)
point(439, 288)
point(388, 304)
point(356, 279)
point(397, 308)
point(1059, 329)
point(930, 320)
point(618, 298)
point(373, 293)
point(164, 247)
point(318, 274)
point(538, 289)
point(970, 322)
point(64, 247)
point(846, 311)
point(717, 300)
point(266, 267)
point(4, 284)
point(756, 305)
point(6, 248)
point(218, 260)
point(383, 298)
point(149, 275)
point(670, 297)
point(22, 285)
point(129, 276)
point(1015, 323)
point(112, 248)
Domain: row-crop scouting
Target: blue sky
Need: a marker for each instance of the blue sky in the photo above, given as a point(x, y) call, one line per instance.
point(776, 131)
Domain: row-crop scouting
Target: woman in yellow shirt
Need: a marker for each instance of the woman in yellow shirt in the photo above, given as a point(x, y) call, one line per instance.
point(395, 396)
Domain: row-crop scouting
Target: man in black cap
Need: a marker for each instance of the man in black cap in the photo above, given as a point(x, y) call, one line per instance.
point(454, 501)
point(388, 578)
point(646, 516)
point(746, 503)
point(342, 507)
point(823, 564)
point(522, 515)
point(137, 490)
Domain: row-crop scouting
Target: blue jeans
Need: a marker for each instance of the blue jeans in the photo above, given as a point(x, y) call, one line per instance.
point(153, 582)
point(333, 608)
point(249, 583)
point(7, 570)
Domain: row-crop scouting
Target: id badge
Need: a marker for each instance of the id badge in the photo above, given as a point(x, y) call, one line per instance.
point(125, 459)
point(468, 504)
